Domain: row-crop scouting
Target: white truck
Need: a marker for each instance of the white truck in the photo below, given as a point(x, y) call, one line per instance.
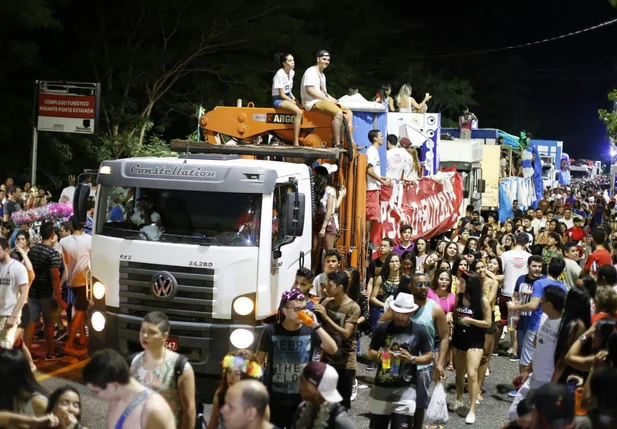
point(466, 157)
point(550, 175)
point(224, 240)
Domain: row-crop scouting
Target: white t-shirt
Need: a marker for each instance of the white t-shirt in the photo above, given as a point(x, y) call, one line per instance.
point(12, 275)
point(312, 77)
point(570, 273)
point(399, 163)
point(569, 222)
point(372, 155)
point(514, 265)
point(538, 223)
point(75, 250)
point(543, 358)
point(320, 279)
point(69, 191)
point(284, 81)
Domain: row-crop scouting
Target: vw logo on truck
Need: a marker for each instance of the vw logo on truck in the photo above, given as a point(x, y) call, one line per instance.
point(163, 285)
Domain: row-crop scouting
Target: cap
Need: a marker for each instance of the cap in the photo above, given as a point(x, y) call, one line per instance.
point(325, 378)
point(555, 404)
point(577, 218)
point(405, 142)
point(476, 212)
point(330, 168)
point(476, 222)
point(323, 53)
point(404, 303)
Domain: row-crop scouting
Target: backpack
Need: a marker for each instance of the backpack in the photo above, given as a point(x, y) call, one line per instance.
point(178, 370)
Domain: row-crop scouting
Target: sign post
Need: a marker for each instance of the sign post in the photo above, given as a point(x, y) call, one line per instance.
point(64, 107)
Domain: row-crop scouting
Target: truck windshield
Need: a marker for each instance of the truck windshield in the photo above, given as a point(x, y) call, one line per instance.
point(546, 172)
point(178, 216)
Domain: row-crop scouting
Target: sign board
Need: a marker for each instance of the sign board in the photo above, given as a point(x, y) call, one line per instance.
point(67, 107)
point(430, 207)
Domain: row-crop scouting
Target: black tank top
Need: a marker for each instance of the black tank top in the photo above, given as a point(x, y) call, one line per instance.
point(466, 334)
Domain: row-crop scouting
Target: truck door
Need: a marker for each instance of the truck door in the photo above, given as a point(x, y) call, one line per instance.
point(474, 195)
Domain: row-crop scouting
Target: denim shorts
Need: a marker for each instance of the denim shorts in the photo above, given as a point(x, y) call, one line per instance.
point(42, 305)
point(277, 100)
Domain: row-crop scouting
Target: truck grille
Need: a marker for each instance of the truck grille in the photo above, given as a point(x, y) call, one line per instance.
point(192, 303)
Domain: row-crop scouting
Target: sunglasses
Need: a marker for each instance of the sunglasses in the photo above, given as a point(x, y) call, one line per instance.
point(423, 284)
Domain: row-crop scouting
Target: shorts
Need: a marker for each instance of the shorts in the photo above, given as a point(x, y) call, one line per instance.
point(25, 316)
point(7, 335)
point(372, 205)
point(42, 305)
point(424, 378)
point(329, 108)
point(331, 227)
point(465, 134)
point(503, 309)
point(277, 100)
point(527, 348)
point(392, 400)
point(80, 301)
point(375, 315)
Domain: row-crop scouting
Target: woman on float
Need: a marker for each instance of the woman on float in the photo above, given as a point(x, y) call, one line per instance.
point(282, 97)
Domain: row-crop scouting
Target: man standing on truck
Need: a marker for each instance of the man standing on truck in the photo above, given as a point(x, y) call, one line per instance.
point(288, 346)
point(464, 123)
point(373, 180)
point(315, 96)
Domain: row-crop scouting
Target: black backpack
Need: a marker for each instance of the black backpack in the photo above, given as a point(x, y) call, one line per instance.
point(200, 422)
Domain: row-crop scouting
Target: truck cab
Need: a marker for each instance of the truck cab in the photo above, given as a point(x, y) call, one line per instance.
point(212, 241)
point(550, 175)
point(466, 157)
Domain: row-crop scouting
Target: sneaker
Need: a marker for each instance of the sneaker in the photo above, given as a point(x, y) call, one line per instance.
point(457, 404)
point(488, 372)
point(514, 358)
point(510, 350)
point(354, 390)
point(495, 353)
point(61, 335)
point(55, 356)
point(512, 393)
point(371, 366)
point(470, 419)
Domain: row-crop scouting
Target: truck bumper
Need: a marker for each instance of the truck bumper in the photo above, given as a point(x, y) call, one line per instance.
point(204, 344)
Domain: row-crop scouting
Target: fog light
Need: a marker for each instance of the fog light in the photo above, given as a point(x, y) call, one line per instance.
point(241, 338)
point(98, 321)
point(98, 290)
point(243, 306)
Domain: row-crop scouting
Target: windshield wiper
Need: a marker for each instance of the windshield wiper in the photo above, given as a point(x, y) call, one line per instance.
point(202, 241)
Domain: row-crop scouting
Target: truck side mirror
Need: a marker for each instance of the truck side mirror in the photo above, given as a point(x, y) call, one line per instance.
point(481, 186)
point(80, 198)
point(294, 216)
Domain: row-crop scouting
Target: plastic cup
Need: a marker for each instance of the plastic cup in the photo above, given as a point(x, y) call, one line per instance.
point(305, 318)
point(385, 358)
point(578, 399)
point(315, 299)
point(512, 321)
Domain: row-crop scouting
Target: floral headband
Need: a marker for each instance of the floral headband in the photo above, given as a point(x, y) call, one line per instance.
point(292, 295)
point(248, 367)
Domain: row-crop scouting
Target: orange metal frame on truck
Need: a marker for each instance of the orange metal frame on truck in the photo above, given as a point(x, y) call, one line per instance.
point(245, 123)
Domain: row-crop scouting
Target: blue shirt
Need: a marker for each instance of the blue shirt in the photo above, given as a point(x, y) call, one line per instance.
point(538, 292)
point(116, 214)
point(524, 284)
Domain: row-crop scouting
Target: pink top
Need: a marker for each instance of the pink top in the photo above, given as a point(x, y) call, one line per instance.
point(446, 303)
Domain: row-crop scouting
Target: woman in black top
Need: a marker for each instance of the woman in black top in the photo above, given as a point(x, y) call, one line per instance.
point(472, 317)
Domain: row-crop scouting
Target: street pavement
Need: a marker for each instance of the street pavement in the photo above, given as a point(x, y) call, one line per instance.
point(491, 413)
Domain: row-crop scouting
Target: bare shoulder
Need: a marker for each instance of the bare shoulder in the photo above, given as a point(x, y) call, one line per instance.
point(39, 405)
point(158, 413)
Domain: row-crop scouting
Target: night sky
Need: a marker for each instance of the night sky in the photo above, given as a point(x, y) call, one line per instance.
point(568, 79)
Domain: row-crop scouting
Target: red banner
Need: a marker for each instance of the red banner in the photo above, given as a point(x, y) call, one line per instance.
point(430, 207)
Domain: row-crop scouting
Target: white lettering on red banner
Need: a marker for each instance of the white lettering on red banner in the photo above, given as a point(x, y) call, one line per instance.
point(429, 207)
point(67, 106)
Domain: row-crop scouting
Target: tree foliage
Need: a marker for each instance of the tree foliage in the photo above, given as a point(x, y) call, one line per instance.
point(610, 117)
point(158, 61)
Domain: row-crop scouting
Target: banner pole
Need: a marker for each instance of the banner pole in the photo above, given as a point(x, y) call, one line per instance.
point(35, 144)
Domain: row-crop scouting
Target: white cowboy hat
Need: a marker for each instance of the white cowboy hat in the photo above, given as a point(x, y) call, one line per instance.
point(404, 303)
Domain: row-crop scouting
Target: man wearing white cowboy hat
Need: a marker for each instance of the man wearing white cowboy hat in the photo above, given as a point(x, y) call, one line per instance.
point(322, 408)
point(399, 345)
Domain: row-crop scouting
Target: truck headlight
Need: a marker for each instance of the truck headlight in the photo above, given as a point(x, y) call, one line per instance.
point(241, 338)
point(98, 290)
point(244, 306)
point(98, 321)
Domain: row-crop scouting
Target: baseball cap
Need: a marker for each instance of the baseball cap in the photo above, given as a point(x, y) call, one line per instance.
point(330, 168)
point(555, 404)
point(405, 142)
point(325, 378)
